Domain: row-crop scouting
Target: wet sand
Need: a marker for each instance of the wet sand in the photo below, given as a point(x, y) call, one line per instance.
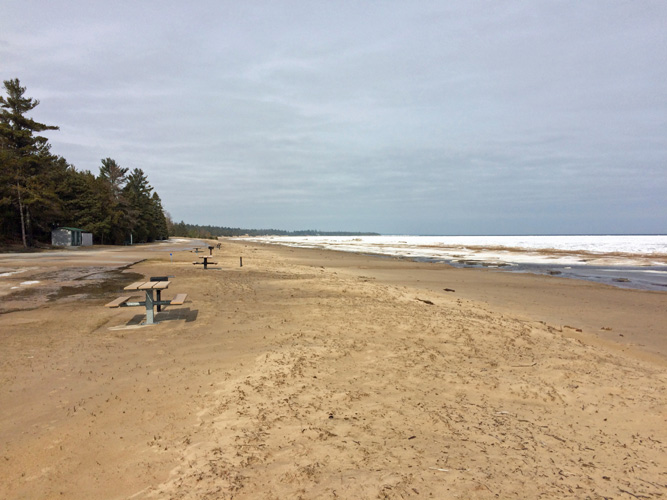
point(318, 374)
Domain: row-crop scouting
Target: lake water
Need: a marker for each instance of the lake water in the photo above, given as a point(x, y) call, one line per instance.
point(629, 261)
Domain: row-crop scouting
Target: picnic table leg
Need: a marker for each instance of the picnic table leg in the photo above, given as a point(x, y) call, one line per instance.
point(205, 263)
point(149, 307)
point(158, 297)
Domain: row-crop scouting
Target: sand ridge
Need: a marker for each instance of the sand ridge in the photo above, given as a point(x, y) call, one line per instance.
point(291, 378)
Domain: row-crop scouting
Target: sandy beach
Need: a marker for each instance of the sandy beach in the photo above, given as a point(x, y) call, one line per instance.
point(320, 374)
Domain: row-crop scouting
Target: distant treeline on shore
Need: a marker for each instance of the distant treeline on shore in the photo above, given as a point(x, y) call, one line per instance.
point(196, 231)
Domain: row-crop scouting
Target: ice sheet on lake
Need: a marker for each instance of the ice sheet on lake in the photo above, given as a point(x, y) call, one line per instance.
point(629, 250)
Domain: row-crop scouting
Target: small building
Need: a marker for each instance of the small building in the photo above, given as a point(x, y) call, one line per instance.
point(86, 239)
point(70, 237)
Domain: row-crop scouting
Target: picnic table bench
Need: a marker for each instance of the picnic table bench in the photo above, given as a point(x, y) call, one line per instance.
point(206, 262)
point(150, 301)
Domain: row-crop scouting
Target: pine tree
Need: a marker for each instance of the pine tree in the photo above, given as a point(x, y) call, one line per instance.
point(85, 202)
point(138, 194)
point(116, 219)
point(114, 175)
point(24, 156)
point(161, 230)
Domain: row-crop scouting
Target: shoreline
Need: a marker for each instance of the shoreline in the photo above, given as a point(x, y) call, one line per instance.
point(621, 276)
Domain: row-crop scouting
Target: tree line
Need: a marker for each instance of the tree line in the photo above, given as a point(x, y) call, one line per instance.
point(196, 231)
point(40, 191)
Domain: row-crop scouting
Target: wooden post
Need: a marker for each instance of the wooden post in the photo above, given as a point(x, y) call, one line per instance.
point(241, 261)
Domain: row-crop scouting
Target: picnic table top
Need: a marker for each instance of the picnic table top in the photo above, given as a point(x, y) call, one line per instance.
point(148, 285)
point(205, 256)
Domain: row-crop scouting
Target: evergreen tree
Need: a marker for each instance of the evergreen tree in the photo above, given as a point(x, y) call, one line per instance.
point(43, 202)
point(24, 158)
point(114, 175)
point(115, 218)
point(138, 194)
point(161, 229)
point(84, 199)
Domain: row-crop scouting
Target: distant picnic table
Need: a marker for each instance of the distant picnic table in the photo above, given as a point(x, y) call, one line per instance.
point(205, 262)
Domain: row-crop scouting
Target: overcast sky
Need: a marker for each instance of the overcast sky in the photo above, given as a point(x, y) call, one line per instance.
point(444, 117)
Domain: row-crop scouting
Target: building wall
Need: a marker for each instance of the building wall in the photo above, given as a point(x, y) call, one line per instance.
point(64, 237)
point(61, 238)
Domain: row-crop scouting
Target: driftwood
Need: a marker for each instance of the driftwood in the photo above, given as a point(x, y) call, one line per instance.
point(425, 301)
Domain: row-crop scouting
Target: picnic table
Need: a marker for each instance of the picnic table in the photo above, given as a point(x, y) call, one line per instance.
point(150, 301)
point(206, 262)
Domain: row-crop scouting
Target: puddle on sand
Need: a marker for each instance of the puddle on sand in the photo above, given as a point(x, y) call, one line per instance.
point(95, 285)
point(73, 273)
point(68, 284)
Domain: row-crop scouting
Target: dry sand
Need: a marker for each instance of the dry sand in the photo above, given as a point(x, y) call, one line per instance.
point(314, 374)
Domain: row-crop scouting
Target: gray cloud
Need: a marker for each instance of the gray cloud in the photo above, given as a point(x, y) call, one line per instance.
point(426, 117)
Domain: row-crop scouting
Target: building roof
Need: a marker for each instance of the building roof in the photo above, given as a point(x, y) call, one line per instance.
point(70, 228)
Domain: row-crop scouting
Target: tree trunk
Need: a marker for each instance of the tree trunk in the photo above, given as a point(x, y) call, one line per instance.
point(18, 192)
point(28, 227)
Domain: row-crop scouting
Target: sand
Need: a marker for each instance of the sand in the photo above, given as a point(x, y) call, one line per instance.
point(315, 374)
